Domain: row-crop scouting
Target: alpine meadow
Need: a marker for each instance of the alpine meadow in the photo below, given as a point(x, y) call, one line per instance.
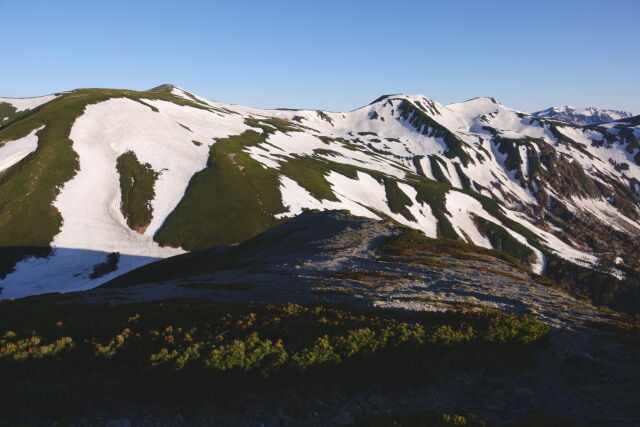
point(171, 260)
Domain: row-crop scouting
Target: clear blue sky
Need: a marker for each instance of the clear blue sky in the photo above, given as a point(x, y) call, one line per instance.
point(335, 55)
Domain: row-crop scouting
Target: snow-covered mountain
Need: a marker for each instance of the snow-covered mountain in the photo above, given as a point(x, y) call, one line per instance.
point(97, 182)
point(582, 116)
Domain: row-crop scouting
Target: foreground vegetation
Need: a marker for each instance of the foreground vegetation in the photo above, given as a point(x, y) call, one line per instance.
point(59, 358)
point(428, 418)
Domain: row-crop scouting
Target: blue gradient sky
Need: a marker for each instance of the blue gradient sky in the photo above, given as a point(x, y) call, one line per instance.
point(335, 55)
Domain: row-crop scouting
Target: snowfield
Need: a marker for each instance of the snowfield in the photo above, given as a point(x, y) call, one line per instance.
point(14, 151)
point(90, 203)
point(175, 142)
point(583, 116)
point(22, 104)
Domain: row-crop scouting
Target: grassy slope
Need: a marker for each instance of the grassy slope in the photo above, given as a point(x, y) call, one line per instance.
point(225, 203)
point(425, 124)
point(28, 189)
point(410, 242)
point(136, 185)
point(7, 112)
point(232, 199)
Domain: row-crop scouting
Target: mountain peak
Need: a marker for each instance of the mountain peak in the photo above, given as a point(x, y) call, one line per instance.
point(165, 87)
point(219, 174)
point(484, 98)
point(582, 116)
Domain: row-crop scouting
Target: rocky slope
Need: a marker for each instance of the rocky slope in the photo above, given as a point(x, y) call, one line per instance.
point(333, 257)
point(97, 182)
point(583, 372)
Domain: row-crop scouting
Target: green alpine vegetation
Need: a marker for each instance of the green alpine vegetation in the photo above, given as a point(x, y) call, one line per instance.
point(411, 241)
point(28, 189)
point(137, 188)
point(62, 357)
point(232, 199)
point(427, 126)
point(7, 112)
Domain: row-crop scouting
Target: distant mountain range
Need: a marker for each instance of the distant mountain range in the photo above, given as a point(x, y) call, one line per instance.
point(582, 116)
point(97, 182)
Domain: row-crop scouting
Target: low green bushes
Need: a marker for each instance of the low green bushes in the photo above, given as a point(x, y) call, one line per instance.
point(176, 349)
point(137, 181)
point(421, 419)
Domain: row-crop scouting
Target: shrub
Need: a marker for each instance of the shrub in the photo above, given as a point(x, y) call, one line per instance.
point(133, 351)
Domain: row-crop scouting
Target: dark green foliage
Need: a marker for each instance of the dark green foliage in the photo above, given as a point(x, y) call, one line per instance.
point(502, 240)
point(416, 164)
point(397, 199)
point(346, 144)
point(325, 152)
point(568, 177)
point(232, 199)
point(324, 116)
point(562, 139)
point(137, 183)
point(427, 126)
point(111, 264)
point(464, 179)
point(427, 418)
point(434, 194)
point(381, 98)
point(28, 189)
point(7, 112)
point(420, 419)
point(310, 173)
point(436, 168)
point(411, 242)
point(377, 150)
point(599, 287)
point(511, 148)
point(63, 356)
point(492, 207)
point(627, 136)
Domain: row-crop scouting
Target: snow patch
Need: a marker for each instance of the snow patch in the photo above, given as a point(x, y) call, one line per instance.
point(461, 209)
point(14, 151)
point(93, 224)
point(21, 104)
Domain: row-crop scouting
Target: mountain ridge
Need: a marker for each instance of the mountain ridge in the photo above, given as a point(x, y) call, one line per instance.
point(583, 116)
point(217, 173)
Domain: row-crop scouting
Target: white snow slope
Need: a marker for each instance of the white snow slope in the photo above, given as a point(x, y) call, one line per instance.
point(582, 116)
point(21, 104)
point(377, 139)
point(14, 151)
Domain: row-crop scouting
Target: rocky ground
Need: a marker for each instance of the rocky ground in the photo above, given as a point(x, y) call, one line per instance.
point(587, 371)
point(333, 257)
